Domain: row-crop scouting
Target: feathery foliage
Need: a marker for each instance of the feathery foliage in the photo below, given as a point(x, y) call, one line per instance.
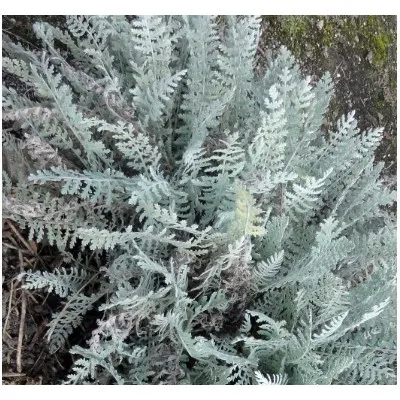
point(229, 235)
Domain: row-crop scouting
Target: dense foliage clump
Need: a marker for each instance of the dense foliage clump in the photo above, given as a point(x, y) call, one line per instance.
point(222, 231)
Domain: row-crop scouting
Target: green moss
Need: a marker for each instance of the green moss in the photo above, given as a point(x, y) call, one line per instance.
point(367, 34)
point(299, 30)
point(293, 30)
point(294, 26)
point(378, 39)
point(381, 44)
point(328, 33)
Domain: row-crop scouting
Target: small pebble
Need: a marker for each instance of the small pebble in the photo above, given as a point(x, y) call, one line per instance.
point(320, 24)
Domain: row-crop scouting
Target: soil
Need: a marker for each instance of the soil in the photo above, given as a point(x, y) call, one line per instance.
point(359, 52)
point(30, 361)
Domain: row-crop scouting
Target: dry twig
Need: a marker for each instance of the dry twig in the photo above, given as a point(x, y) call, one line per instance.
point(11, 375)
point(22, 320)
point(13, 247)
point(9, 308)
point(15, 230)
